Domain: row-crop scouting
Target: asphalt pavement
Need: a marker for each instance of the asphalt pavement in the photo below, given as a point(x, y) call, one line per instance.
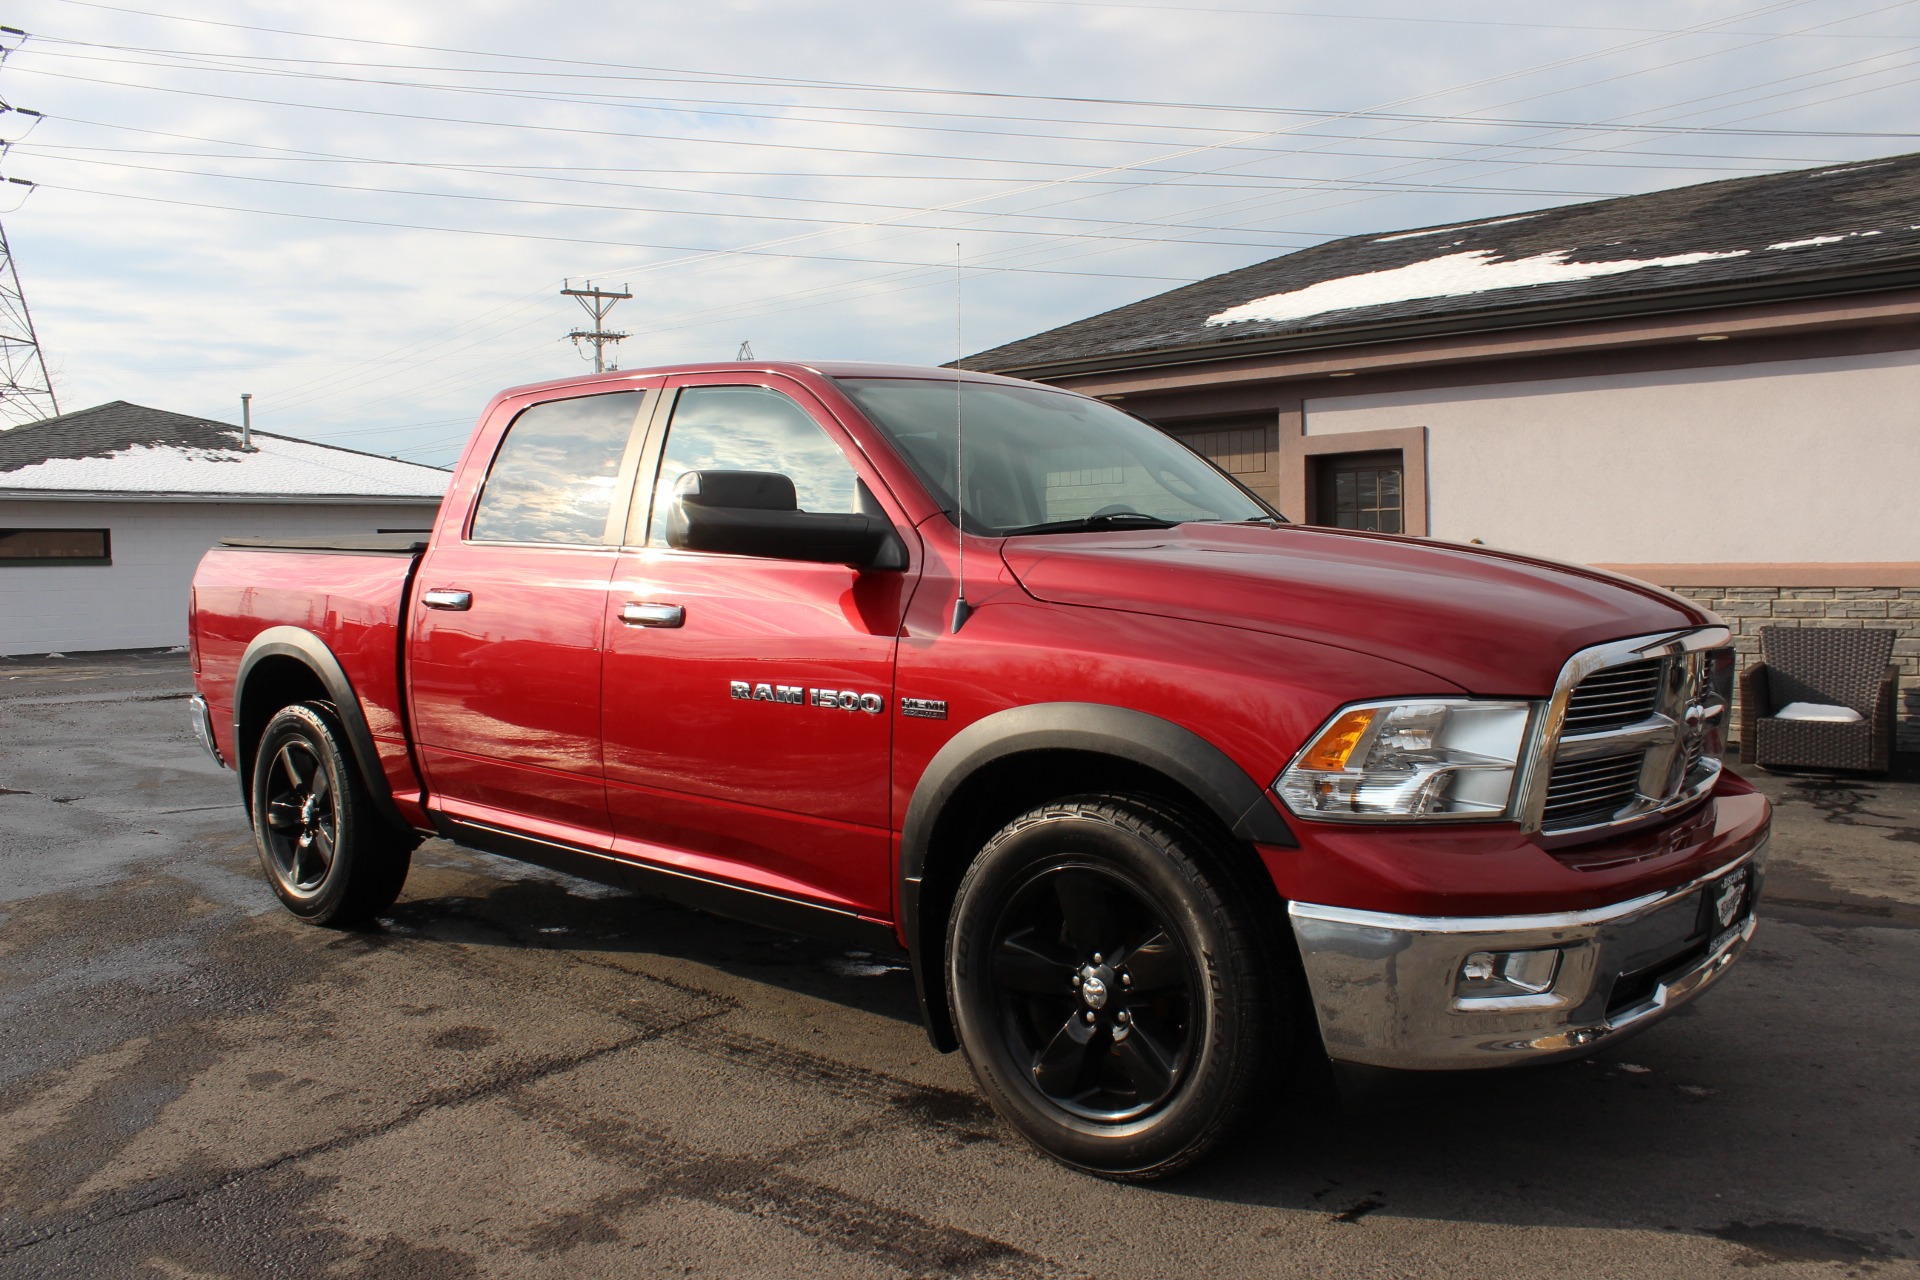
point(521, 1075)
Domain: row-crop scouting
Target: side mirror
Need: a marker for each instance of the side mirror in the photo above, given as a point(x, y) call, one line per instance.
point(756, 513)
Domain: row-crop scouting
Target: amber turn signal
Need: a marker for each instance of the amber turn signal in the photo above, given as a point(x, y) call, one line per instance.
point(1332, 749)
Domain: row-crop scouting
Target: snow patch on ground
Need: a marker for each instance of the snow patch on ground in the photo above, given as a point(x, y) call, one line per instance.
point(1448, 276)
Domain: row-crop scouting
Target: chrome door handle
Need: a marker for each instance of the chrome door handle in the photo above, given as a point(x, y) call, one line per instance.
point(446, 598)
point(637, 614)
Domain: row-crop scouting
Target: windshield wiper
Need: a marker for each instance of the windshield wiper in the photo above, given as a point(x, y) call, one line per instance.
point(1110, 520)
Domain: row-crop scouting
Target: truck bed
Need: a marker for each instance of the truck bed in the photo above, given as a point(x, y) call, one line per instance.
point(351, 593)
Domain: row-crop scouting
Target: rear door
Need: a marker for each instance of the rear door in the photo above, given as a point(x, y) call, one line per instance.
point(508, 620)
point(749, 701)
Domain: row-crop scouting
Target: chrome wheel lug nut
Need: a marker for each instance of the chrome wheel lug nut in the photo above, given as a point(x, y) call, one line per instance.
point(1076, 979)
point(1089, 1015)
point(1125, 1016)
point(1097, 958)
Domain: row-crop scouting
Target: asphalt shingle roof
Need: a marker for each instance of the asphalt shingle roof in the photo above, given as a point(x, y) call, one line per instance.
point(131, 449)
point(1809, 225)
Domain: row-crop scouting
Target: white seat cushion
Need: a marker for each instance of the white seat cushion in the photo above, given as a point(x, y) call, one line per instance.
point(1817, 711)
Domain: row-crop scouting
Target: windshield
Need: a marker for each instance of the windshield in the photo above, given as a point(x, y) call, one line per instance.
point(1041, 461)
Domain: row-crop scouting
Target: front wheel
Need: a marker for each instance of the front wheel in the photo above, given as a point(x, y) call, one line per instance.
point(1109, 988)
point(327, 853)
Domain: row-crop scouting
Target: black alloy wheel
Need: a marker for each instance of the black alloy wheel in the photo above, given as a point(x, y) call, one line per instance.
point(1110, 986)
point(302, 818)
point(328, 854)
point(1098, 994)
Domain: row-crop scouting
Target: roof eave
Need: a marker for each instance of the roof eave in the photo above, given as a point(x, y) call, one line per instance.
point(1698, 298)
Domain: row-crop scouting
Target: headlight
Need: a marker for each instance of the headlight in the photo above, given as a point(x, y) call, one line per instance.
point(1414, 760)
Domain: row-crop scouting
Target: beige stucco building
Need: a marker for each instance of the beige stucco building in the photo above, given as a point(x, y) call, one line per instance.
point(1716, 389)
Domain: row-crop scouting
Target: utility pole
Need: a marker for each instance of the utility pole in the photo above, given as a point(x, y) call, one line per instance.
point(26, 392)
point(597, 302)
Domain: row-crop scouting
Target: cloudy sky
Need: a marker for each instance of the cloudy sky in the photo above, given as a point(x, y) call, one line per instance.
point(363, 213)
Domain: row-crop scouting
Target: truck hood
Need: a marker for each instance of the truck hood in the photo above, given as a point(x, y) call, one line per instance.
point(1488, 621)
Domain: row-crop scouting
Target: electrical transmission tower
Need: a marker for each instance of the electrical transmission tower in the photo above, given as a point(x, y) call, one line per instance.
point(597, 302)
point(26, 393)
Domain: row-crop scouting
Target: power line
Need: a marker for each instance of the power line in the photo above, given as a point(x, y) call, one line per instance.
point(526, 235)
point(725, 77)
point(221, 62)
point(1394, 17)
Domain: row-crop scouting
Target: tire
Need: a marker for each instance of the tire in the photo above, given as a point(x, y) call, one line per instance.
point(328, 854)
point(1110, 989)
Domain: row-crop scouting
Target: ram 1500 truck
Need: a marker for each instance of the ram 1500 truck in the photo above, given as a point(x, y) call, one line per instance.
point(1158, 791)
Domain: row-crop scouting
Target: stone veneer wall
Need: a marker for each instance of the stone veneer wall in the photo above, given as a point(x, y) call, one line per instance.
point(1747, 609)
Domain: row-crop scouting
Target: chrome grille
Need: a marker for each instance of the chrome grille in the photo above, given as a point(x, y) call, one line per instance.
point(1615, 696)
point(1583, 791)
point(1637, 735)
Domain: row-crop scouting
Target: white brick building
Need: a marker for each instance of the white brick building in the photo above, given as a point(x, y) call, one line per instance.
point(105, 512)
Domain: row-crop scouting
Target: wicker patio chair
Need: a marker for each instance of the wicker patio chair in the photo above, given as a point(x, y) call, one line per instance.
point(1838, 666)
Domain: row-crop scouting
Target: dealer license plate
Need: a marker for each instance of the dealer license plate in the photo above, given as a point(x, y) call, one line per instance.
point(1726, 904)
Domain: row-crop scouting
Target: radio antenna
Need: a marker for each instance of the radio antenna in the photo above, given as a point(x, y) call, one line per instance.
point(961, 609)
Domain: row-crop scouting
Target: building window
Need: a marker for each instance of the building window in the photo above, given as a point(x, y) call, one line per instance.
point(1361, 491)
point(55, 546)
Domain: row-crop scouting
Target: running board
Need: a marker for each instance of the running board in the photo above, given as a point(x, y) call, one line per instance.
point(735, 902)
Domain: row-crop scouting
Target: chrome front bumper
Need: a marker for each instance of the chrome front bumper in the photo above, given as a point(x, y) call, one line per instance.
point(1387, 987)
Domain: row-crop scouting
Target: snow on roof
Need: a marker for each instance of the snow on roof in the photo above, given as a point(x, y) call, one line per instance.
point(128, 448)
point(1811, 233)
point(1449, 276)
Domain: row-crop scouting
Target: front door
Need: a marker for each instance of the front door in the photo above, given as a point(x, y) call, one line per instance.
point(749, 701)
point(508, 620)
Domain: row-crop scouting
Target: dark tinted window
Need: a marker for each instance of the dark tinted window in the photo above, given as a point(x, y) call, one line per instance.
point(753, 429)
point(555, 476)
point(54, 546)
point(1362, 491)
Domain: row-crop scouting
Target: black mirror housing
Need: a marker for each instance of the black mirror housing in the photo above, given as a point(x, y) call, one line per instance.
point(754, 513)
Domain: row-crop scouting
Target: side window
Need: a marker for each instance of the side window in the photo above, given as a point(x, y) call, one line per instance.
point(752, 429)
point(555, 475)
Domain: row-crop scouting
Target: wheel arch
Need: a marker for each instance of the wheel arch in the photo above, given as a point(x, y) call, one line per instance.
point(1000, 766)
point(282, 666)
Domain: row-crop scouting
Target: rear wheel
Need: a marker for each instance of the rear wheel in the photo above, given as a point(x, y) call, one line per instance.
point(327, 853)
point(1109, 989)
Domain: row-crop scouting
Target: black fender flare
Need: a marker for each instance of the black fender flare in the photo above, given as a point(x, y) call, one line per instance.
point(311, 652)
point(1182, 756)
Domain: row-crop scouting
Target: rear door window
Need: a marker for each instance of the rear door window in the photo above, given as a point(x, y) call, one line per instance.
point(556, 474)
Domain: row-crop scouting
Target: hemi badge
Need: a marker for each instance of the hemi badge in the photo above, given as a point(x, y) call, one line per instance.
point(923, 708)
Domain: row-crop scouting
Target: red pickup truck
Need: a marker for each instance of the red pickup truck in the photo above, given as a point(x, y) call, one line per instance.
point(1158, 791)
